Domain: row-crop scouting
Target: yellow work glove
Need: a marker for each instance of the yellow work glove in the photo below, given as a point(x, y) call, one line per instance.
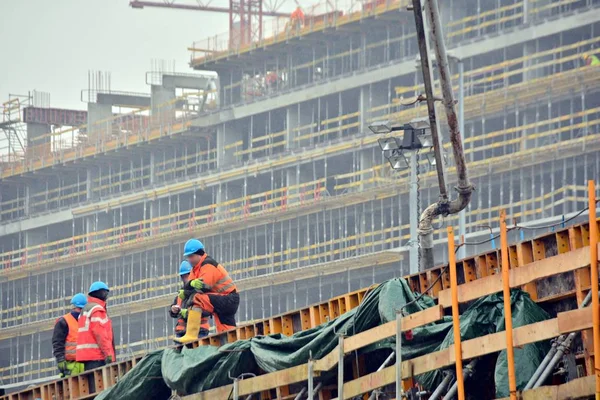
point(197, 284)
point(181, 294)
point(183, 313)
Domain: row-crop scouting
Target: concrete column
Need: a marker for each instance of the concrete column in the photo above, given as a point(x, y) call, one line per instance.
point(96, 114)
point(152, 170)
point(298, 115)
point(227, 134)
point(27, 202)
point(162, 105)
point(34, 131)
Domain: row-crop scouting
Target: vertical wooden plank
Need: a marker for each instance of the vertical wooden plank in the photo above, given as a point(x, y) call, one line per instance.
point(524, 257)
point(287, 325)
point(512, 257)
point(481, 267)
point(353, 301)
point(423, 282)
point(276, 325)
point(324, 312)
point(315, 316)
point(493, 266)
point(433, 277)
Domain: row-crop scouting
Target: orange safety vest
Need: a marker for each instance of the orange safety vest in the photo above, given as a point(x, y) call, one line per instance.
point(71, 341)
point(215, 277)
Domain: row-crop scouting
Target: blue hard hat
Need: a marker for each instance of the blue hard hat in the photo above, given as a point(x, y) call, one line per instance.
point(185, 268)
point(98, 286)
point(79, 300)
point(192, 246)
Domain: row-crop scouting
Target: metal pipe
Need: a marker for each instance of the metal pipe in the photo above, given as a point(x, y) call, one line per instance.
point(562, 347)
point(414, 214)
point(510, 351)
point(236, 389)
point(399, 389)
point(302, 392)
point(340, 388)
point(594, 288)
point(310, 378)
point(428, 82)
point(468, 372)
point(317, 388)
point(382, 366)
point(437, 393)
point(555, 345)
point(455, 315)
point(541, 368)
point(462, 220)
point(464, 187)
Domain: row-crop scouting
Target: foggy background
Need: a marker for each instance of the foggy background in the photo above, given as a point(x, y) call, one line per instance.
point(50, 45)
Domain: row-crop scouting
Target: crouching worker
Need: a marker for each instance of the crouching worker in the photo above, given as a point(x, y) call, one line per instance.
point(216, 294)
point(179, 307)
point(64, 338)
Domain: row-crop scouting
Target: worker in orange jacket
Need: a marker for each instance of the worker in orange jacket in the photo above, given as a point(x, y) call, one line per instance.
point(95, 340)
point(297, 18)
point(215, 293)
point(64, 338)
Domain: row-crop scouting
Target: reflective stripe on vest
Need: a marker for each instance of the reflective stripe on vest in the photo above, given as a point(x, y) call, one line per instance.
point(71, 342)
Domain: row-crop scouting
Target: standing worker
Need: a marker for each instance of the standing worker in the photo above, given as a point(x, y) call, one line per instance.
point(591, 59)
point(297, 18)
point(64, 338)
point(95, 343)
point(216, 293)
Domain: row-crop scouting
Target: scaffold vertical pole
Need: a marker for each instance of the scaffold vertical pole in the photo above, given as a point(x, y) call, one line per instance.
point(399, 389)
point(594, 277)
point(340, 388)
point(510, 355)
point(310, 378)
point(455, 315)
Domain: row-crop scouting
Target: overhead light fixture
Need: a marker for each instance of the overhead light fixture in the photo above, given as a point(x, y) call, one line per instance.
point(425, 138)
point(419, 123)
point(432, 161)
point(389, 143)
point(398, 160)
point(381, 127)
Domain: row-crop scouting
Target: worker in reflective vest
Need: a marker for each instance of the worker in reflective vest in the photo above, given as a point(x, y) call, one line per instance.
point(591, 59)
point(64, 338)
point(216, 294)
point(95, 343)
point(176, 310)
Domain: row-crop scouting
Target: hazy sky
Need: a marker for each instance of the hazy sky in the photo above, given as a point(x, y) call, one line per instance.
point(49, 45)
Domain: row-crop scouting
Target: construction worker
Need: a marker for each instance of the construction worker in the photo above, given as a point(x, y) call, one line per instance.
point(297, 18)
point(216, 293)
point(591, 59)
point(64, 338)
point(95, 343)
point(177, 309)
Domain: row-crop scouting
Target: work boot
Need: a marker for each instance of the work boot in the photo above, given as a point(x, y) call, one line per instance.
point(192, 328)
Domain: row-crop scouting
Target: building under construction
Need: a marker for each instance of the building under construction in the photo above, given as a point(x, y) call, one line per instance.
point(271, 163)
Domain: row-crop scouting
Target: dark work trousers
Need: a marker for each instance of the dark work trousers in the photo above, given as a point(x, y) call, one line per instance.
point(88, 365)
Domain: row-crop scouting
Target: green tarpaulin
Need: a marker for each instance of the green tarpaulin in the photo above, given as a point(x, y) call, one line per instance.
point(192, 370)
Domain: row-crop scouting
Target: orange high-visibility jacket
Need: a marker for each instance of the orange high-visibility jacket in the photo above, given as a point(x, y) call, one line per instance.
point(95, 336)
point(215, 277)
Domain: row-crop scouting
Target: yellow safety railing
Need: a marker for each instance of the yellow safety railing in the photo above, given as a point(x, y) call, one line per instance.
point(231, 210)
point(111, 134)
point(269, 262)
point(72, 246)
